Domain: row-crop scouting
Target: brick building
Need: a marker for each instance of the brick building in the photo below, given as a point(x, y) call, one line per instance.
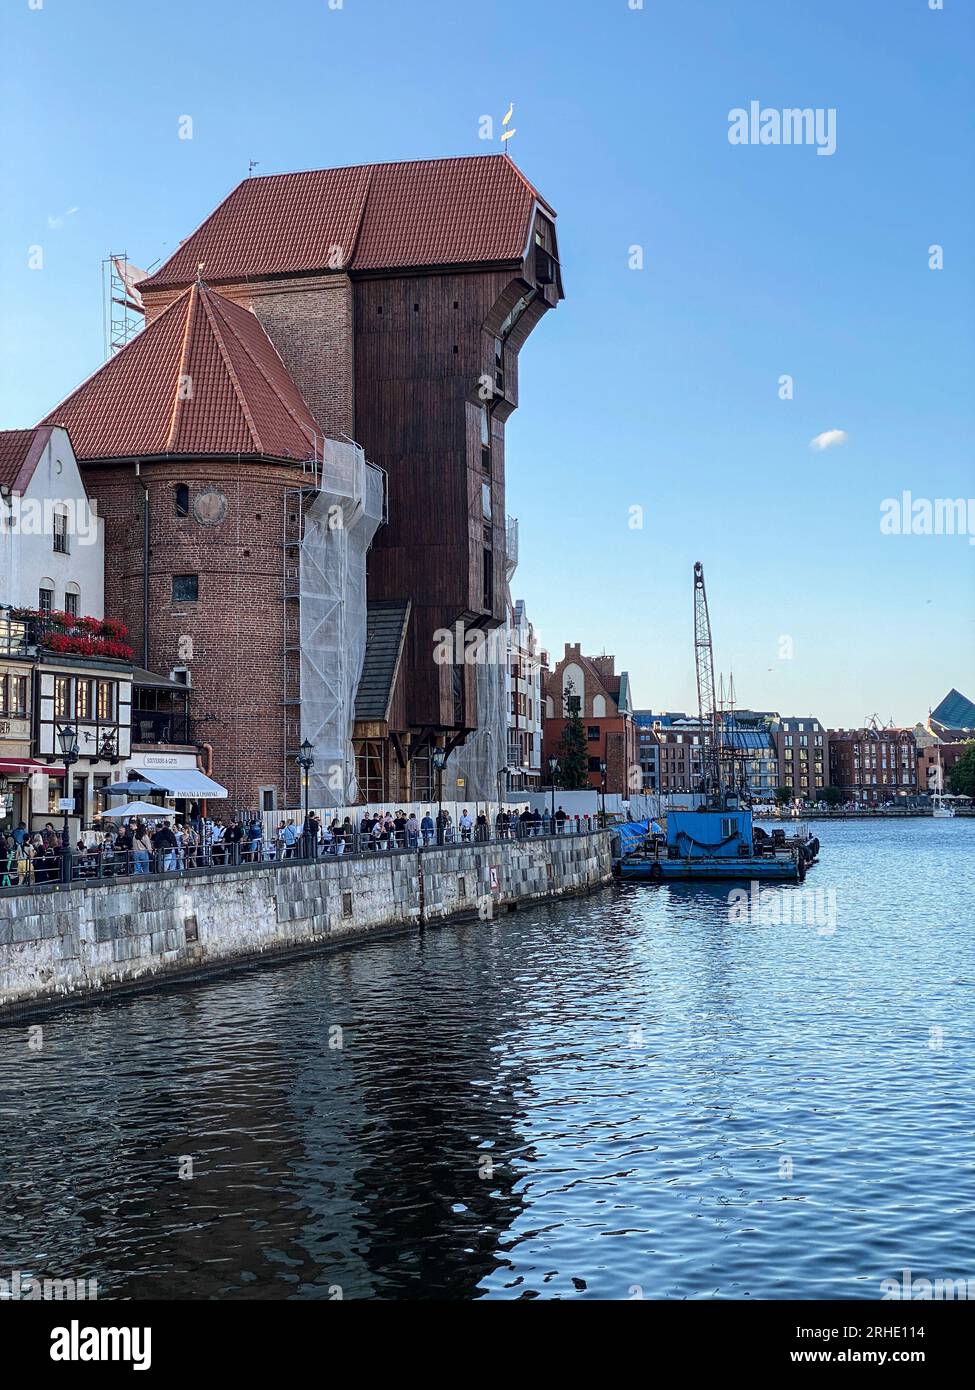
point(873, 765)
point(399, 297)
point(382, 303)
point(801, 745)
point(934, 763)
point(607, 717)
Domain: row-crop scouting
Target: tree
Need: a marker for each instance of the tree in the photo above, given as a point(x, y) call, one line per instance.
point(832, 796)
point(961, 778)
point(573, 748)
point(783, 794)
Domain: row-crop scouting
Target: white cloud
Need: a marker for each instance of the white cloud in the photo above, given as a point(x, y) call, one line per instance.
point(827, 439)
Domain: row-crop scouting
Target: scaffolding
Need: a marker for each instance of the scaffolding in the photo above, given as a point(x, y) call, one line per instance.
point(123, 313)
point(329, 524)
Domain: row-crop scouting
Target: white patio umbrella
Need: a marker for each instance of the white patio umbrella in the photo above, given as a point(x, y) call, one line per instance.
point(145, 809)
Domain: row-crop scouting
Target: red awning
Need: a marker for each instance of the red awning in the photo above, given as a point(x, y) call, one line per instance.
point(26, 766)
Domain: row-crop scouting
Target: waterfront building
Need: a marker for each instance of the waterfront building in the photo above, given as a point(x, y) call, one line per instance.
point(872, 765)
point(592, 687)
point(801, 748)
point(252, 589)
point(648, 750)
point(935, 759)
point(524, 703)
point(382, 303)
point(61, 662)
point(681, 743)
point(954, 717)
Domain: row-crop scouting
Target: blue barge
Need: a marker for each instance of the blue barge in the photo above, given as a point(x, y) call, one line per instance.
point(716, 844)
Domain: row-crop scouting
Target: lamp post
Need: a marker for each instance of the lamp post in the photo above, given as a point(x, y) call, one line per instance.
point(553, 767)
point(602, 787)
point(306, 761)
point(68, 739)
point(439, 762)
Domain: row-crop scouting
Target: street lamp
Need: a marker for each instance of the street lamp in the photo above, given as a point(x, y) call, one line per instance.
point(68, 739)
point(306, 761)
point(553, 767)
point(602, 788)
point(439, 762)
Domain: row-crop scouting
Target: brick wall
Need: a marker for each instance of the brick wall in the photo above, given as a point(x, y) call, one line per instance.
point(232, 638)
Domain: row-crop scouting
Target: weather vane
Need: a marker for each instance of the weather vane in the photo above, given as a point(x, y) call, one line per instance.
point(507, 134)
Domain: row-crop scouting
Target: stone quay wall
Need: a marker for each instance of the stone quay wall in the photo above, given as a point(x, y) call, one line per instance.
point(80, 942)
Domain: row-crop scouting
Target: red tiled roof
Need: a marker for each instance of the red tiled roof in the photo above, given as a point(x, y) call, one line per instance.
point(425, 212)
point(15, 450)
point(239, 397)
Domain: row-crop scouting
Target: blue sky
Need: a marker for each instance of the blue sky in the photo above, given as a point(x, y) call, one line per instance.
point(655, 388)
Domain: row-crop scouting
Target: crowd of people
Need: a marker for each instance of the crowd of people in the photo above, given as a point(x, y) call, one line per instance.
point(138, 846)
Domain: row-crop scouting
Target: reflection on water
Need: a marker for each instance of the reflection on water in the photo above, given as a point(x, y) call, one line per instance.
point(582, 1099)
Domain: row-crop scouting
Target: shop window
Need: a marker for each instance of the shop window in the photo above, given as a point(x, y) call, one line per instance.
point(62, 697)
point(82, 699)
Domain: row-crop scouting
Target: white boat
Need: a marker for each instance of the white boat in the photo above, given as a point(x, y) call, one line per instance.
point(943, 807)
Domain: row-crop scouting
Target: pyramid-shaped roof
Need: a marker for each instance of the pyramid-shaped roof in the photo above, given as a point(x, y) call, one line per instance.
point(367, 217)
point(956, 711)
point(202, 378)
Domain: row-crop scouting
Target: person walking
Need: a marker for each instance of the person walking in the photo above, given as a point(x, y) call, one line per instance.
point(466, 824)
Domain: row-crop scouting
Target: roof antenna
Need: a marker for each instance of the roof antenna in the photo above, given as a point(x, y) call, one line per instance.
point(251, 166)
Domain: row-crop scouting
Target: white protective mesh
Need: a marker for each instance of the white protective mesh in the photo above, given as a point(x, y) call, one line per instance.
point(339, 525)
point(479, 760)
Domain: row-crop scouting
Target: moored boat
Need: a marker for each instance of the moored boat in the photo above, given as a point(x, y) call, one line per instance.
point(718, 844)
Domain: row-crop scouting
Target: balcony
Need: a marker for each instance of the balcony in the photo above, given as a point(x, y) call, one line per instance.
point(162, 726)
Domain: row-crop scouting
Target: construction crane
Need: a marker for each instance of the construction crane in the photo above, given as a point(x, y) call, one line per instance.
point(707, 707)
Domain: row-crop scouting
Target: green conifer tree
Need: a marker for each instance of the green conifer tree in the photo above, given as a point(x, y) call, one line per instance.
point(573, 749)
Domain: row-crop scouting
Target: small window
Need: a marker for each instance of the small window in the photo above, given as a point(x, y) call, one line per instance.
point(82, 700)
point(185, 588)
point(71, 604)
point(45, 600)
point(106, 701)
point(488, 575)
point(594, 765)
point(592, 733)
point(62, 697)
point(18, 695)
point(486, 501)
point(181, 499)
point(61, 532)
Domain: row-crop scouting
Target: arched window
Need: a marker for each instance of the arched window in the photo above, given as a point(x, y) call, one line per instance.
point(598, 707)
point(181, 499)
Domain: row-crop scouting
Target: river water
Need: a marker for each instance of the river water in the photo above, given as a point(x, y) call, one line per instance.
point(642, 1092)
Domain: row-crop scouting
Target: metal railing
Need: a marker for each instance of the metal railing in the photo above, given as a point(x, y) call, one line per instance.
point(53, 868)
